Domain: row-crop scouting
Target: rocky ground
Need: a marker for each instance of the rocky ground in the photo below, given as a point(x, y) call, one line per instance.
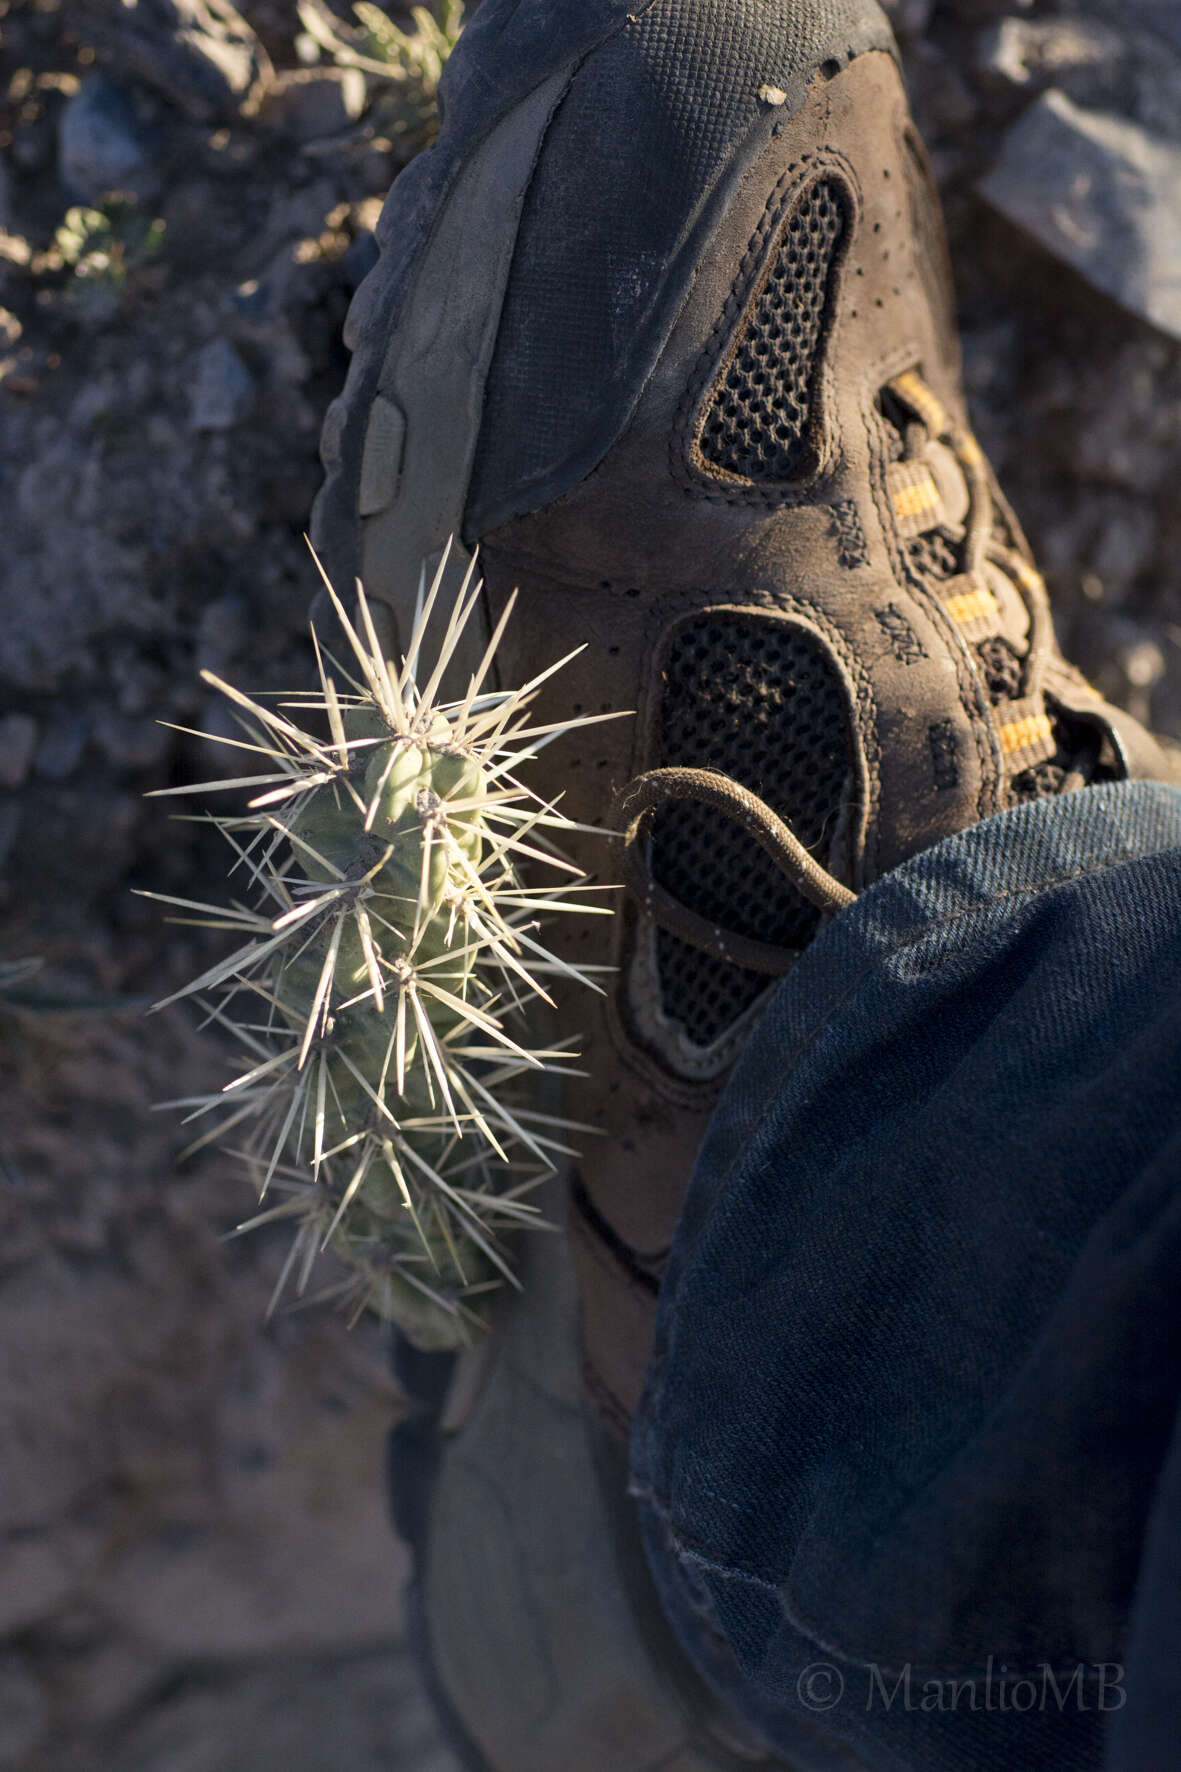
point(195, 1570)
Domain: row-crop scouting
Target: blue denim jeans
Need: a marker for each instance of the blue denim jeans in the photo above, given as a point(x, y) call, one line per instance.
point(909, 1462)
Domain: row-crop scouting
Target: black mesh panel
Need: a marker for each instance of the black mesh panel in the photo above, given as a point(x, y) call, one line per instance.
point(758, 425)
point(758, 700)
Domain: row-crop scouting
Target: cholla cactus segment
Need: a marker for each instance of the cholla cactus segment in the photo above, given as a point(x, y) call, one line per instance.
point(390, 966)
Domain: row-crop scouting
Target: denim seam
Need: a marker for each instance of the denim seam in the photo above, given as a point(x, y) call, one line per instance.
point(1109, 860)
point(730, 1573)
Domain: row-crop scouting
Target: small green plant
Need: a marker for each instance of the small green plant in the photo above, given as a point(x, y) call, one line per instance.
point(104, 247)
point(385, 991)
point(407, 65)
point(416, 55)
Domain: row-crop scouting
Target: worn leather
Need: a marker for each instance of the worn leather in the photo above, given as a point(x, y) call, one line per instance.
point(653, 534)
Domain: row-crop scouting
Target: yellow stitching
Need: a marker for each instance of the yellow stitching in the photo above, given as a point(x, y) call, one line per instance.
point(1019, 733)
point(971, 606)
point(910, 386)
point(914, 500)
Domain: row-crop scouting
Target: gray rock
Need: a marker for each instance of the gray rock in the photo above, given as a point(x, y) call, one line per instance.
point(130, 742)
point(60, 751)
point(976, 12)
point(1131, 667)
point(35, 1581)
point(297, 1438)
point(308, 103)
point(10, 817)
point(1123, 70)
point(909, 17)
point(366, 1712)
point(24, 1710)
point(1160, 16)
point(1102, 195)
point(46, 488)
point(946, 102)
point(1126, 419)
point(1024, 52)
point(18, 742)
point(108, 1680)
point(102, 145)
point(1124, 541)
point(221, 633)
point(222, 389)
point(200, 53)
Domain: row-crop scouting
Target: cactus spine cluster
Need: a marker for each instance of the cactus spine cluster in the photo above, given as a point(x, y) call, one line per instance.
point(386, 988)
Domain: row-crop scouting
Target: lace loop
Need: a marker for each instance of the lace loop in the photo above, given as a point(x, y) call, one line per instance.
point(644, 796)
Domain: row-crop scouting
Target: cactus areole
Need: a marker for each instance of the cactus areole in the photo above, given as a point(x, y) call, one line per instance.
point(387, 990)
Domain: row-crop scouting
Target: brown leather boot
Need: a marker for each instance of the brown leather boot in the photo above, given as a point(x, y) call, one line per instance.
point(664, 324)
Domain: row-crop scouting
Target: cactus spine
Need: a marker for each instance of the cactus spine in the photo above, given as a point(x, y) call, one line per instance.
point(383, 991)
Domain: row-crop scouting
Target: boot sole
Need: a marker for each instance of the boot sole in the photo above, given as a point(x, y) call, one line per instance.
point(536, 1623)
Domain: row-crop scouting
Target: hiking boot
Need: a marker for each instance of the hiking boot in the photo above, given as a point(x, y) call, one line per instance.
point(663, 323)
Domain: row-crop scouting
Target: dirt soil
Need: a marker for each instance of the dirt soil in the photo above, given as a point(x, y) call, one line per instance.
point(196, 1571)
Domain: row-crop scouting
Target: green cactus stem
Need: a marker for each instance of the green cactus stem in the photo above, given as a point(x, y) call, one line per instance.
point(386, 988)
